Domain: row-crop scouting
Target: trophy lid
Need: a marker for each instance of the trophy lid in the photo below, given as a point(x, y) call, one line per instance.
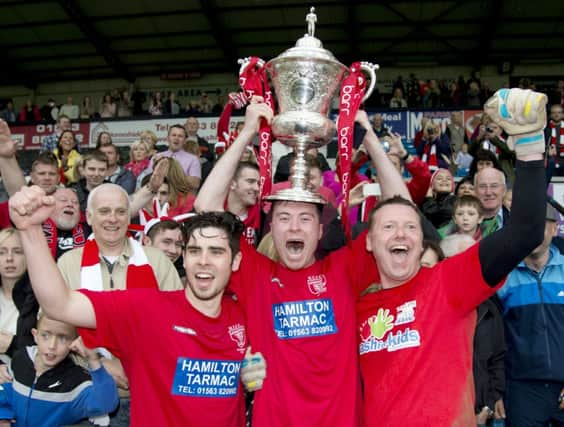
point(295, 194)
point(308, 46)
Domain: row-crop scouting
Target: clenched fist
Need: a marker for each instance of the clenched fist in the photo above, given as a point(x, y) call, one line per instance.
point(30, 207)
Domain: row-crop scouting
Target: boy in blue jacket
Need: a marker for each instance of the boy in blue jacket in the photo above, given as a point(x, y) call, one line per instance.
point(48, 389)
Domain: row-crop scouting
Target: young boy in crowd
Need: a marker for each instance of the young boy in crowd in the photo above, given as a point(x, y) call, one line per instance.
point(466, 219)
point(48, 387)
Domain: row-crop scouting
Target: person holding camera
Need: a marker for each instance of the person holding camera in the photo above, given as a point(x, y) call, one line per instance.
point(434, 149)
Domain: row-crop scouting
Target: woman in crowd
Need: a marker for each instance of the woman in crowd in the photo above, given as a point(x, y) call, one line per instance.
point(68, 156)
point(156, 107)
point(434, 149)
point(180, 194)
point(87, 109)
point(465, 187)
point(18, 306)
point(483, 159)
point(108, 108)
point(398, 101)
point(138, 158)
point(438, 205)
point(104, 138)
point(150, 138)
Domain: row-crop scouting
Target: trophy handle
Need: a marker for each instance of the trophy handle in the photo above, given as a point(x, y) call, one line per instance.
point(244, 62)
point(370, 69)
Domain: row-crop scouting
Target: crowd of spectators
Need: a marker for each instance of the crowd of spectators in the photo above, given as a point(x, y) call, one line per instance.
point(149, 187)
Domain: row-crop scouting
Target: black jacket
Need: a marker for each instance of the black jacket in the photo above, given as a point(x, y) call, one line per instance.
point(489, 355)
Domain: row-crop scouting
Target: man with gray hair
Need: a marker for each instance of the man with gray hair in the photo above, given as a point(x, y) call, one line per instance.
point(490, 187)
point(111, 261)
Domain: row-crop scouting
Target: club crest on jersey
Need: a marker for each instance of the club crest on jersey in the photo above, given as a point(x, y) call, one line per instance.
point(317, 284)
point(237, 334)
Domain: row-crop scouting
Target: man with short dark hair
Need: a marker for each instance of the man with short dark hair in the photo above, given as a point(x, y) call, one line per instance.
point(165, 235)
point(242, 200)
point(189, 162)
point(115, 173)
point(94, 167)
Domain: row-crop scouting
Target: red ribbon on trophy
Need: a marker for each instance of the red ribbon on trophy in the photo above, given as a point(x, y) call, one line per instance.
point(352, 92)
point(254, 82)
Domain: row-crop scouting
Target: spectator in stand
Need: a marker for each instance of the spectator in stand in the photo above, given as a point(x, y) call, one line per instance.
point(124, 108)
point(192, 127)
point(434, 150)
point(490, 187)
point(463, 160)
point(171, 106)
point(438, 206)
point(398, 100)
point(282, 172)
point(455, 131)
point(29, 113)
point(464, 187)
point(557, 94)
point(493, 140)
point(455, 97)
point(18, 304)
point(205, 103)
point(50, 111)
point(50, 142)
point(181, 194)
point(473, 95)
point(189, 162)
point(533, 311)
point(149, 138)
point(69, 109)
point(94, 167)
point(380, 129)
point(156, 107)
point(398, 84)
point(166, 235)
point(483, 159)
point(68, 156)
point(108, 108)
point(103, 138)
point(87, 110)
point(418, 138)
point(138, 158)
point(115, 173)
point(554, 138)
point(8, 114)
point(467, 219)
point(432, 96)
point(218, 106)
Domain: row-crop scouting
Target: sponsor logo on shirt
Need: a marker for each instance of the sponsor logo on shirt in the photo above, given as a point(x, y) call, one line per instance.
point(237, 334)
point(277, 281)
point(301, 319)
point(184, 330)
point(206, 378)
point(377, 332)
point(317, 284)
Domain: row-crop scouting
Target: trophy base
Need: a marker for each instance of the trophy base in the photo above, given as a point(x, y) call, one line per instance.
point(296, 195)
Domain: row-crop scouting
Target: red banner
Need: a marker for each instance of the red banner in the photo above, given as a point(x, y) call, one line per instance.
point(29, 137)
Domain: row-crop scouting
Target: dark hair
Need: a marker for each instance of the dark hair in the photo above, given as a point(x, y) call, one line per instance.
point(464, 180)
point(435, 247)
point(45, 158)
point(99, 139)
point(109, 145)
point(59, 149)
point(177, 126)
point(244, 165)
point(225, 221)
point(168, 224)
point(483, 155)
point(313, 162)
point(94, 155)
point(396, 200)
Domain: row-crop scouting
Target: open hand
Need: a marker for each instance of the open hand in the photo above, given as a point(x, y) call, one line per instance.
point(7, 146)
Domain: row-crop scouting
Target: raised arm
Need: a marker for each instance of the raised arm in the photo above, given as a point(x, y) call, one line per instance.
point(391, 181)
point(29, 208)
point(12, 175)
point(522, 114)
point(145, 194)
point(214, 192)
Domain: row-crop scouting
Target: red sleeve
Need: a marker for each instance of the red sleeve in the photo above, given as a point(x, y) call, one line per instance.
point(464, 285)
point(116, 320)
point(421, 178)
point(4, 216)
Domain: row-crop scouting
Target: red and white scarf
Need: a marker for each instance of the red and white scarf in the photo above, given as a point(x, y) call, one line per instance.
point(140, 274)
point(50, 232)
point(557, 137)
point(430, 156)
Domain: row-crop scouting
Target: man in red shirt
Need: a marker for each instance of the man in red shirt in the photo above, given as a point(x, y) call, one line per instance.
point(300, 312)
point(181, 350)
point(416, 326)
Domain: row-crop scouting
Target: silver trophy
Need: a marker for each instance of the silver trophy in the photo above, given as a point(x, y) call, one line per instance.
point(305, 80)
